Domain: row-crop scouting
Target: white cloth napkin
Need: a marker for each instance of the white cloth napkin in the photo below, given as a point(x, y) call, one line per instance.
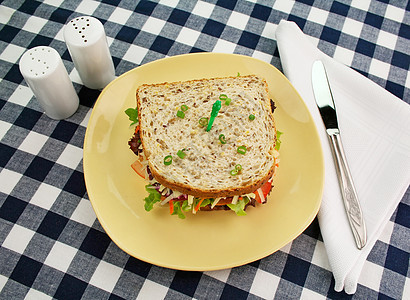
point(375, 131)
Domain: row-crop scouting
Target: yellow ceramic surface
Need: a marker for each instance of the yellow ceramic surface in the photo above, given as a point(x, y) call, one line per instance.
point(207, 240)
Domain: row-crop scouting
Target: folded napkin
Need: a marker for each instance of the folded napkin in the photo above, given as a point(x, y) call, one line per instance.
point(375, 131)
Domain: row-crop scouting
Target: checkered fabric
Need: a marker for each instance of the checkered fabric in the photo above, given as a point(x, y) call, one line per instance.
point(51, 243)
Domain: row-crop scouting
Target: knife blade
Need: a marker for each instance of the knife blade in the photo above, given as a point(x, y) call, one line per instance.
point(327, 109)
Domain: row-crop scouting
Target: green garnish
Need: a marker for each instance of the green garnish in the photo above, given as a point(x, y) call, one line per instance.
point(168, 160)
point(251, 117)
point(132, 114)
point(181, 153)
point(180, 114)
point(278, 141)
point(153, 197)
point(239, 74)
point(223, 97)
point(222, 138)
point(236, 170)
point(239, 207)
point(184, 108)
point(241, 150)
point(203, 121)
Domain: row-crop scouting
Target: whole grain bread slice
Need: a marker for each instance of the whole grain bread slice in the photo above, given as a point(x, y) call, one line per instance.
point(205, 171)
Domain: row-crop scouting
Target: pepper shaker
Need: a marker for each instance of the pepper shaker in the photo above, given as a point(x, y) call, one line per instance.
point(45, 74)
point(87, 44)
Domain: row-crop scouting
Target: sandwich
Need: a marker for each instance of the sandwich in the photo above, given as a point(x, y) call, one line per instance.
point(206, 144)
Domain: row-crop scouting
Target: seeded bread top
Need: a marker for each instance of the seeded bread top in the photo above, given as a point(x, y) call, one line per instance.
point(205, 170)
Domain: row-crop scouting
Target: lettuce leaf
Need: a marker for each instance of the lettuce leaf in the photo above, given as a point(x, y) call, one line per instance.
point(185, 206)
point(205, 203)
point(153, 197)
point(132, 114)
point(239, 207)
point(178, 209)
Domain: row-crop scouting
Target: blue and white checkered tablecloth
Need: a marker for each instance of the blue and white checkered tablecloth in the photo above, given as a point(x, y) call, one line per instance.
point(51, 243)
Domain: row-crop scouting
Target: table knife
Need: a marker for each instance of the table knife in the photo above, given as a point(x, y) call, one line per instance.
point(327, 109)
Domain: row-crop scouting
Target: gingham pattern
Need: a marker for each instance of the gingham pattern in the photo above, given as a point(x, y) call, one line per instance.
point(52, 245)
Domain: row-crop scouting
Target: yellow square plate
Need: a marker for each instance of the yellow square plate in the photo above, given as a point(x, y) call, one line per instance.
point(207, 240)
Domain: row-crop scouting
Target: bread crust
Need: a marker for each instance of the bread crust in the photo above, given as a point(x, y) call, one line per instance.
point(201, 193)
point(146, 99)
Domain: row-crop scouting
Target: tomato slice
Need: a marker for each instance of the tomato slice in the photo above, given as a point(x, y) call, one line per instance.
point(139, 168)
point(265, 191)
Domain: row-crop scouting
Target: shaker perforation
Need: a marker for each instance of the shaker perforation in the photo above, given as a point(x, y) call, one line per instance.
point(87, 44)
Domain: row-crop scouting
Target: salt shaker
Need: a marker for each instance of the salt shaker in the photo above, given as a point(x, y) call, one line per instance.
point(45, 74)
point(87, 43)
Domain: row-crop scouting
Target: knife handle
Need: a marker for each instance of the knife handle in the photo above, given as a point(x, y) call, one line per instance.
point(349, 195)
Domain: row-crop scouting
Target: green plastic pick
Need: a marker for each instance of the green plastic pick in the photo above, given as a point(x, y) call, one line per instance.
point(215, 110)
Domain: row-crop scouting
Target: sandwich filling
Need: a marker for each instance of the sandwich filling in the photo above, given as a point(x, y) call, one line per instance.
point(206, 144)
